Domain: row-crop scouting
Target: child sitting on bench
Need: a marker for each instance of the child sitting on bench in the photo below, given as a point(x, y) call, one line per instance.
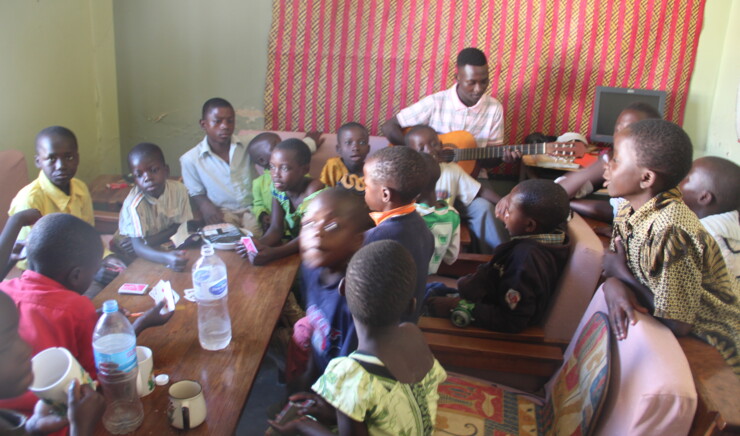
point(512, 291)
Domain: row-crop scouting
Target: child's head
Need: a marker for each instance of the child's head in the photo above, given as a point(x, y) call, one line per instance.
point(260, 148)
point(428, 192)
point(538, 138)
point(633, 113)
point(650, 156)
point(380, 283)
point(424, 139)
point(66, 249)
point(332, 229)
point(15, 354)
point(353, 145)
point(711, 186)
point(57, 156)
point(289, 164)
point(472, 75)
point(218, 121)
point(146, 162)
point(394, 177)
point(536, 206)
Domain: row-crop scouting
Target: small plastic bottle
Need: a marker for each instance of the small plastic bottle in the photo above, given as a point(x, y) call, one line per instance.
point(114, 345)
point(211, 291)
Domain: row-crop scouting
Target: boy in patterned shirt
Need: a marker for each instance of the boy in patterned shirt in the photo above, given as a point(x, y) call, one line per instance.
point(662, 260)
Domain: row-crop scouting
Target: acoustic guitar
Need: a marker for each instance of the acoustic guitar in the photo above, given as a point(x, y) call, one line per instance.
point(466, 152)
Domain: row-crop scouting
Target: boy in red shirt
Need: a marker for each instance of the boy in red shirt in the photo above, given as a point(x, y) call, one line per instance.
point(64, 253)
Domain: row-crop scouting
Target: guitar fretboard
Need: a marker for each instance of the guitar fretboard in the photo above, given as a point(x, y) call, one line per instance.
point(497, 151)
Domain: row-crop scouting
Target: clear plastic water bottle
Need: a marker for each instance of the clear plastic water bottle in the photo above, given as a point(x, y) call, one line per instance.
point(114, 345)
point(211, 291)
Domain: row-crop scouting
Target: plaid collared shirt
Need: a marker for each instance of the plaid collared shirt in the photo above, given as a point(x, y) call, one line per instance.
point(444, 112)
point(545, 238)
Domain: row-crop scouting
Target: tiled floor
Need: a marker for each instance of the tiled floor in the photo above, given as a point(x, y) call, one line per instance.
point(265, 392)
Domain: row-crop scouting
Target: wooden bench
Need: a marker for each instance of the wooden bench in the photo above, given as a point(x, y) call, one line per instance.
point(717, 388)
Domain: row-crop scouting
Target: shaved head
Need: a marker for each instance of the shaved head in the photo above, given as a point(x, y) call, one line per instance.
point(711, 186)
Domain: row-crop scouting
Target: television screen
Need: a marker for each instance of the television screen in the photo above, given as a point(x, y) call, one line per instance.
point(610, 102)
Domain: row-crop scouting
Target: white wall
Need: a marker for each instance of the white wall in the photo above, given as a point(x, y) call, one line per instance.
point(711, 109)
point(144, 68)
point(722, 133)
point(173, 55)
point(58, 67)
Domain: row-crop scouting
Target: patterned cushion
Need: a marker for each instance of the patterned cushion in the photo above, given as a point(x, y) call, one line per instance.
point(470, 406)
point(579, 390)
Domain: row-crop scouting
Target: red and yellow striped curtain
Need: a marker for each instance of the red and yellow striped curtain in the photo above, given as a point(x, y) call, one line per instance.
point(333, 61)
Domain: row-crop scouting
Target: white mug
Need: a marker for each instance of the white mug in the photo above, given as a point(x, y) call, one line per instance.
point(53, 371)
point(187, 407)
point(145, 378)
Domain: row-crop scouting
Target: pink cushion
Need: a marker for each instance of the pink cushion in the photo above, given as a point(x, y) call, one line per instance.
point(651, 391)
point(326, 151)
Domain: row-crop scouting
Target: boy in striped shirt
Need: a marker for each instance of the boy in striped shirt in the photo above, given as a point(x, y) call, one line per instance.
point(154, 209)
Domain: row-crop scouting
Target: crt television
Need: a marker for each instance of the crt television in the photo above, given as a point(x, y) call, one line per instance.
point(609, 103)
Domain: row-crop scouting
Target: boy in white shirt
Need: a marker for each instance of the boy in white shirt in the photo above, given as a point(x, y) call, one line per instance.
point(476, 202)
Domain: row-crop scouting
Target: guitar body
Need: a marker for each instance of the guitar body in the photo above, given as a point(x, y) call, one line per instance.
point(460, 139)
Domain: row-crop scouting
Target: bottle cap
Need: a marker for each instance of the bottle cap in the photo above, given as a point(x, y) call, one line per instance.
point(162, 379)
point(206, 249)
point(110, 306)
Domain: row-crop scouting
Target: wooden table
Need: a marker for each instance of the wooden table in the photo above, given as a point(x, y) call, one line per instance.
point(256, 296)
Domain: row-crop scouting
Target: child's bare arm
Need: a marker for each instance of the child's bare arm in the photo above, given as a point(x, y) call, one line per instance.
point(267, 254)
point(593, 173)
point(163, 236)
point(152, 318)
point(274, 234)
point(350, 427)
point(175, 260)
point(392, 131)
point(86, 407)
point(615, 265)
point(597, 209)
point(621, 302)
point(315, 135)
point(9, 234)
point(489, 194)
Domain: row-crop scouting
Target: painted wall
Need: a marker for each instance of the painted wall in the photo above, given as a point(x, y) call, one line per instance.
point(173, 55)
point(58, 67)
point(723, 132)
point(704, 80)
point(144, 69)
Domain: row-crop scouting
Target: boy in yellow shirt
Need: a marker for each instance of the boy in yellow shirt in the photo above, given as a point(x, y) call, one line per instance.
point(56, 189)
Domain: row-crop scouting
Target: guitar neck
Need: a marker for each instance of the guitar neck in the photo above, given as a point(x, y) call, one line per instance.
point(479, 153)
